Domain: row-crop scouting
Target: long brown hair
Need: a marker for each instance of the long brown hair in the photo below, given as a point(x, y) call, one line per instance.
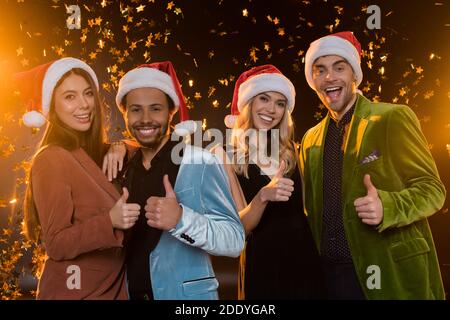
point(59, 134)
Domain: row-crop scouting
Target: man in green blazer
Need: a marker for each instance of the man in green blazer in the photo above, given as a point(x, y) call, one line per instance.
point(370, 185)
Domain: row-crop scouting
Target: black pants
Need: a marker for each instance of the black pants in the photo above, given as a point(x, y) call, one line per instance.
point(341, 281)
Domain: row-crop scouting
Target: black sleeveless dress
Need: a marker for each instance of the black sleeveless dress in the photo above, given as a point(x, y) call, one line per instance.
point(282, 261)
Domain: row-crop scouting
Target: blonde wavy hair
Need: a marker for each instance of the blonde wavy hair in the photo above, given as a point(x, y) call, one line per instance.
point(241, 145)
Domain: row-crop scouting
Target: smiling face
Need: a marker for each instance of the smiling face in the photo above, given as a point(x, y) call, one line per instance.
point(335, 84)
point(268, 109)
point(75, 103)
point(148, 115)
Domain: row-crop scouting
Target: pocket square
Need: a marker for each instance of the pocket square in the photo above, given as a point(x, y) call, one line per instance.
point(374, 155)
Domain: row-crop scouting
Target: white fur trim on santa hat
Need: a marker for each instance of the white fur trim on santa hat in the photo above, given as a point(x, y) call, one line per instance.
point(146, 78)
point(266, 82)
point(230, 120)
point(185, 128)
point(55, 72)
point(332, 45)
point(33, 119)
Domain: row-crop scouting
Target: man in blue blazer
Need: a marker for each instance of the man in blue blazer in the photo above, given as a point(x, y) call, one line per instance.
point(169, 245)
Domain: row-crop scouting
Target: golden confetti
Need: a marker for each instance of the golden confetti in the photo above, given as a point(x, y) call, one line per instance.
point(140, 8)
point(318, 115)
point(106, 86)
point(197, 96)
point(245, 12)
point(191, 83)
point(253, 56)
point(340, 10)
point(427, 95)
point(170, 5)
point(19, 51)
point(211, 91)
point(215, 104)
point(24, 62)
point(59, 51)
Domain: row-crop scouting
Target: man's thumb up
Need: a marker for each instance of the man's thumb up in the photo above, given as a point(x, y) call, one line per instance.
point(371, 190)
point(169, 190)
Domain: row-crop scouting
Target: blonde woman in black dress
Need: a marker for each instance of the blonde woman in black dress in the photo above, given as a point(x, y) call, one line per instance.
point(280, 260)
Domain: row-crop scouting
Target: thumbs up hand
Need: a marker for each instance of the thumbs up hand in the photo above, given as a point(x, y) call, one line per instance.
point(124, 215)
point(369, 207)
point(279, 188)
point(163, 212)
point(168, 187)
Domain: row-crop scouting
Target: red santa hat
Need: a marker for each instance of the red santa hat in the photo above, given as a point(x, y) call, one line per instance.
point(255, 81)
point(343, 44)
point(36, 87)
point(162, 76)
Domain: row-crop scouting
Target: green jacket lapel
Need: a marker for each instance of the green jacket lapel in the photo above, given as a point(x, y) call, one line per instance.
point(353, 142)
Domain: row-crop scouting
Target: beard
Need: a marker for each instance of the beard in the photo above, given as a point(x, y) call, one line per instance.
point(153, 141)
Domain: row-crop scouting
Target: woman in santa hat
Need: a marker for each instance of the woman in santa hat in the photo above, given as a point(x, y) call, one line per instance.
point(280, 260)
point(70, 207)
